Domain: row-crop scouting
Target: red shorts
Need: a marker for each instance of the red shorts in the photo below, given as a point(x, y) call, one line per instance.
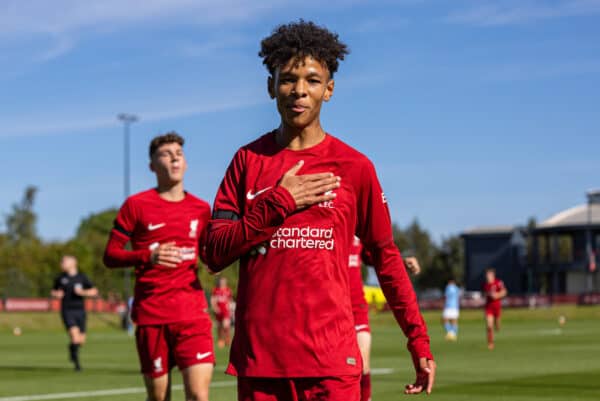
point(160, 347)
point(345, 388)
point(361, 318)
point(493, 310)
point(222, 316)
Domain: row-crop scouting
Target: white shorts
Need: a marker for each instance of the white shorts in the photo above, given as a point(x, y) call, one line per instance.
point(450, 313)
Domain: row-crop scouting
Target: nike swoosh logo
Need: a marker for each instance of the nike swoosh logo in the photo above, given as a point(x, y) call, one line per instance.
point(251, 196)
point(152, 227)
point(202, 356)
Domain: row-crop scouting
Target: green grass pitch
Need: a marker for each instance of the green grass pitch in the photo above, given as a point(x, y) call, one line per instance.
point(534, 359)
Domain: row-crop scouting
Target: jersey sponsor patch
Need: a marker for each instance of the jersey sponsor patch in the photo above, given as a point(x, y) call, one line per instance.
point(303, 238)
point(187, 253)
point(351, 361)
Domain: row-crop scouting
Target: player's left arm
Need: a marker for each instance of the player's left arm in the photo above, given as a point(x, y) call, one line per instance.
point(502, 292)
point(205, 218)
point(374, 228)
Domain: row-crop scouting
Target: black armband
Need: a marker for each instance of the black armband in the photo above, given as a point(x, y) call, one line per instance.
point(225, 215)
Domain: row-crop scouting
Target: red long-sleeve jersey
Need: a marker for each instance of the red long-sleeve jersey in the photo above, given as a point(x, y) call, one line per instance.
point(357, 292)
point(487, 288)
point(294, 313)
point(162, 294)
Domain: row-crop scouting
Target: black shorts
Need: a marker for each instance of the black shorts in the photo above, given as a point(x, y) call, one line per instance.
point(74, 318)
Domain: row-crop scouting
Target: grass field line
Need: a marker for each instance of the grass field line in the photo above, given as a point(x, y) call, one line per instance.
point(135, 390)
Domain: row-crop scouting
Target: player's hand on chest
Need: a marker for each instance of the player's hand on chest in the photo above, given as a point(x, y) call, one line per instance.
point(262, 179)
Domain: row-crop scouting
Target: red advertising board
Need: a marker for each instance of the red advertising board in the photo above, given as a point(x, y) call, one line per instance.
point(27, 304)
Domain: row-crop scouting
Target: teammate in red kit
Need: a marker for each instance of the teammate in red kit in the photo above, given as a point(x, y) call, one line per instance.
point(288, 208)
point(221, 301)
point(360, 313)
point(494, 291)
point(360, 310)
point(167, 229)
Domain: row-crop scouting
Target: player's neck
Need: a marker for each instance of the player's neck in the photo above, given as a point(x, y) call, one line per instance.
point(294, 138)
point(172, 192)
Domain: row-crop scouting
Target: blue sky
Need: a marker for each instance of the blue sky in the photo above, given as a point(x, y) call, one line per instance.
point(474, 112)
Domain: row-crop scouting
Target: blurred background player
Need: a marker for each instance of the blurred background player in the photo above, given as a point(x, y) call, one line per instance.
point(166, 227)
point(451, 309)
point(71, 287)
point(221, 302)
point(360, 310)
point(494, 290)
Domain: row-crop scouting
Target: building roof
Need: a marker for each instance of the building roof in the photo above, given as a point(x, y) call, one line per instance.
point(573, 217)
point(489, 230)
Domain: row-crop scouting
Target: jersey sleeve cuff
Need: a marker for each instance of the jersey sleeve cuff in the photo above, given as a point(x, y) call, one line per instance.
point(420, 352)
point(285, 199)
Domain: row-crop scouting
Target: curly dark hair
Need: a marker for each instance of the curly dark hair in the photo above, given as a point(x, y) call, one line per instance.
point(298, 40)
point(169, 137)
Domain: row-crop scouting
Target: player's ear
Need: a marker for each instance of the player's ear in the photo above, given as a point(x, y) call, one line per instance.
point(151, 167)
point(329, 90)
point(271, 86)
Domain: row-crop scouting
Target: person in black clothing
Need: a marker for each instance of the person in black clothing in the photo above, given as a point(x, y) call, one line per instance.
point(71, 287)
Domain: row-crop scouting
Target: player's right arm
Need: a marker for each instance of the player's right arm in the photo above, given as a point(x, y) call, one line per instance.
point(502, 292)
point(232, 234)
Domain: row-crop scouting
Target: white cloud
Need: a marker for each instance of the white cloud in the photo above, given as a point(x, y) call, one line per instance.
point(541, 71)
point(380, 24)
point(60, 46)
point(507, 12)
point(66, 22)
point(21, 17)
point(193, 50)
point(25, 17)
point(41, 125)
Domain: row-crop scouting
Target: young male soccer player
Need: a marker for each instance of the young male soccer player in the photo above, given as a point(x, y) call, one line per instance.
point(220, 301)
point(166, 227)
point(289, 207)
point(451, 309)
point(71, 287)
point(494, 290)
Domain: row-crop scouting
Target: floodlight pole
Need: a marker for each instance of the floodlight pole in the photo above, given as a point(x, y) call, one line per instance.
point(127, 120)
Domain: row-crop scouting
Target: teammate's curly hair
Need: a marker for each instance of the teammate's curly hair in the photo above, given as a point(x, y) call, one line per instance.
point(298, 40)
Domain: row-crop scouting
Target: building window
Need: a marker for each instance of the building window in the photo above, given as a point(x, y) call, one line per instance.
point(542, 249)
point(565, 248)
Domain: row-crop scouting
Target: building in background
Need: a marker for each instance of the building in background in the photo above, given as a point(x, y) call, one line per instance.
point(557, 256)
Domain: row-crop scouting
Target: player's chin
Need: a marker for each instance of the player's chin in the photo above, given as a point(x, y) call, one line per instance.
point(299, 121)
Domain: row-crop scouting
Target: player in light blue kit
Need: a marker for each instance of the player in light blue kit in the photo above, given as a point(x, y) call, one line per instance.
point(451, 309)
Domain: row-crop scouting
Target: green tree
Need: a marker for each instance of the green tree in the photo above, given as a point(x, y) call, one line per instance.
point(88, 246)
point(21, 251)
point(21, 223)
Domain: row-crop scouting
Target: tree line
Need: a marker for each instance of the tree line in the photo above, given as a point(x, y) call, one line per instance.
point(29, 264)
